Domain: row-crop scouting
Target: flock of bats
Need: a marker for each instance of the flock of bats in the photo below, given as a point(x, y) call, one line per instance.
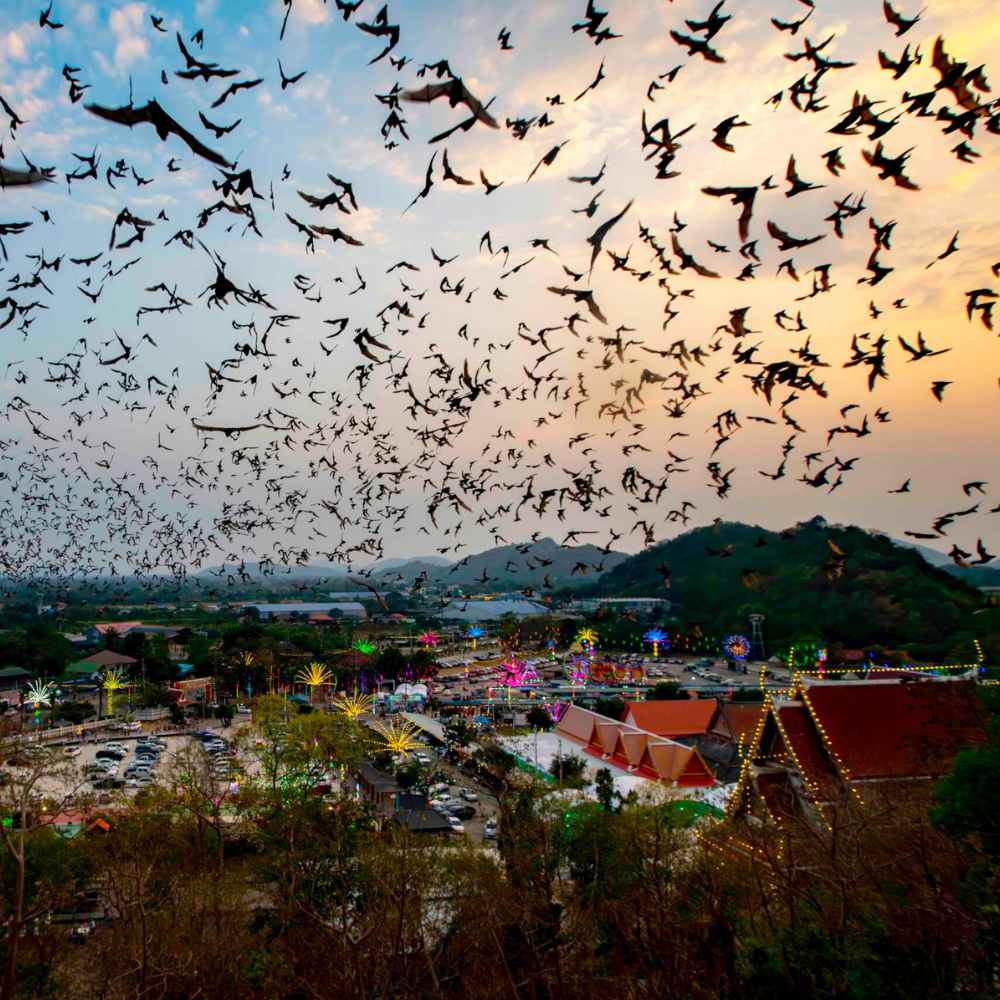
point(405, 422)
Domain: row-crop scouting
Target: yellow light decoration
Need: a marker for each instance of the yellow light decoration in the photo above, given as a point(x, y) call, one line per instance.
point(114, 680)
point(315, 675)
point(353, 705)
point(397, 736)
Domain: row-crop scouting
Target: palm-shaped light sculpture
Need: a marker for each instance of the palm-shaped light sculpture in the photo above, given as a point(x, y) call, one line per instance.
point(655, 636)
point(587, 638)
point(475, 632)
point(39, 695)
point(353, 706)
point(314, 675)
point(396, 736)
point(114, 680)
point(428, 640)
point(244, 661)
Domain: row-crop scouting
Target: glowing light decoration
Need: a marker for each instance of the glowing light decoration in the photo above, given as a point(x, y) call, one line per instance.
point(397, 736)
point(556, 710)
point(736, 647)
point(39, 695)
point(587, 638)
point(353, 706)
point(552, 648)
point(114, 680)
point(656, 636)
point(428, 640)
point(514, 672)
point(579, 672)
point(314, 675)
point(475, 632)
point(363, 646)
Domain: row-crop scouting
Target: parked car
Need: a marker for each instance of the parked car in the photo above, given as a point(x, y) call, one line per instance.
point(490, 829)
point(109, 781)
point(71, 751)
point(469, 795)
point(456, 824)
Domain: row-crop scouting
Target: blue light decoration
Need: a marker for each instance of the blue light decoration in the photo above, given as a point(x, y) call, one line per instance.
point(658, 638)
point(736, 646)
point(475, 632)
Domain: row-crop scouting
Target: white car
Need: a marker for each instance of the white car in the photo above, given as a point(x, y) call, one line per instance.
point(71, 751)
point(456, 824)
point(469, 795)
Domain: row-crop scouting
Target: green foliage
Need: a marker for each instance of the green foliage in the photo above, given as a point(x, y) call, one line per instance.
point(75, 712)
point(39, 648)
point(967, 801)
point(605, 786)
point(886, 595)
point(667, 691)
point(459, 731)
point(752, 694)
point(568, 768)
point(538, 718)
point(612, 708)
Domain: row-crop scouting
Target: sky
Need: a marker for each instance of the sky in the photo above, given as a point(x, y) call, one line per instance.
point(119, 474)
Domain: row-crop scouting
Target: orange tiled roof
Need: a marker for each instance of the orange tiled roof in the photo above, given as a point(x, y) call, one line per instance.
point(645, 754)
point(672, 719)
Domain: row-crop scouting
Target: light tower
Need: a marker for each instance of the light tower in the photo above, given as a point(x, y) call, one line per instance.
point(757, 638)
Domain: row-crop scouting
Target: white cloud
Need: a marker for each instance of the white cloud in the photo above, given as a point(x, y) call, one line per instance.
point(14, 46)
point(310, 11)
point(128, 25)
point(86, 14)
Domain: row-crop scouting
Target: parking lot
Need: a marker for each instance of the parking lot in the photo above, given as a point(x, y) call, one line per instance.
point(74, 766)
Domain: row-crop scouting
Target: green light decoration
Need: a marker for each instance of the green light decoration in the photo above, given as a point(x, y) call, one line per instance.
point(363, 646)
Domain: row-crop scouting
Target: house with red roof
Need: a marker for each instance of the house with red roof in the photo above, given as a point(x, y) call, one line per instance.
point(713, 726)
point(832, 738)
point(633, 750)
point(684, 718)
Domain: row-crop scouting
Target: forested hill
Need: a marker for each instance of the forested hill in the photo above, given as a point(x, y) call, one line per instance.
point(839, 584)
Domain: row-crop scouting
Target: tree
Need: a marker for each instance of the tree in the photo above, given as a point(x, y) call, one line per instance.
point(605, 787)
point(538, 718)
point(612, 708)
point(23, 828)
point(458, 731)
point(967, 801)
point(568, 768)
point(667, 691)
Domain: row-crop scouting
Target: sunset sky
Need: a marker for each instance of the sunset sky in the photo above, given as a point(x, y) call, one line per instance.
point(329, 123)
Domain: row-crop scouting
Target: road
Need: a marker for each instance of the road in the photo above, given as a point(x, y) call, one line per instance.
point(486, 807)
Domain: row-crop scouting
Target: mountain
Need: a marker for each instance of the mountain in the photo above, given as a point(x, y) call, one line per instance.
point(327, 573)
point(383, 565)
point(512, 567)
point(877, 593)
point(977, 576)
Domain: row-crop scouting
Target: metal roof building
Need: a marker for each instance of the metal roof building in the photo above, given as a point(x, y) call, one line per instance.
point(348, 609)
point(486, 611)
